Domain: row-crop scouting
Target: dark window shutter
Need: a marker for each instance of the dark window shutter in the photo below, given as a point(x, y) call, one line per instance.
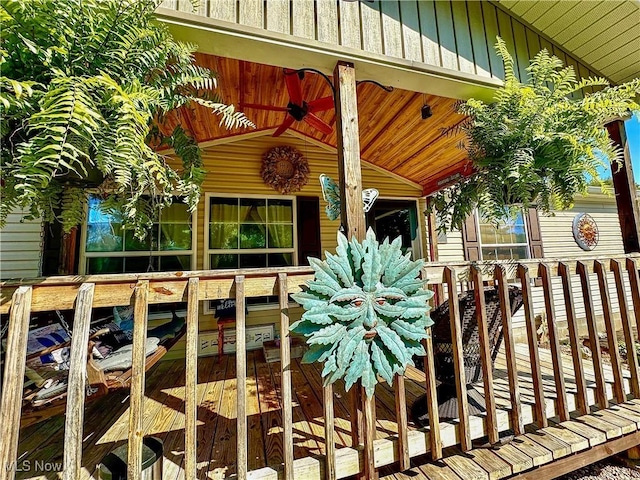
point(535, 236)
point(470, 240)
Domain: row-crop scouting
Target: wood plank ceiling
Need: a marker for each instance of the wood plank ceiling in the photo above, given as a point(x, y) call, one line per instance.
point(393, 134)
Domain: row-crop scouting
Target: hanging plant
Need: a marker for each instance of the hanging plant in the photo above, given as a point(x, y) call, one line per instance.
point(84, 87)
point(535, 145)
point(366, 312)
point(285, 169)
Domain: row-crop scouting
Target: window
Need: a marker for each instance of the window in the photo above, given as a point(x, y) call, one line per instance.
point(250, 232)
point(507, 241)
point(397, 218)
point(107, 248)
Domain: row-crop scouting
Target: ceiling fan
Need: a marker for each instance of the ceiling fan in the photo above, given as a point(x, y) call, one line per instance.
point(298, 109)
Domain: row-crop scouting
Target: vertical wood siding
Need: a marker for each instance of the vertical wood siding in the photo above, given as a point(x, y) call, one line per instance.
point(20, 249)
point(234, 168)
point(457, 35)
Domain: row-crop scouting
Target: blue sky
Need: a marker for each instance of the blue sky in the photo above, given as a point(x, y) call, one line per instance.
point(632, 126)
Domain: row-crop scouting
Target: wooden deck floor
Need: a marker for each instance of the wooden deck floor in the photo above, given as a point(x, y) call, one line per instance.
point(106, 420)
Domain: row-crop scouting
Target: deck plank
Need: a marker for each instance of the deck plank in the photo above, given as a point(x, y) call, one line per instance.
point(595, 436)
point(515, 457)
point(465, 467)
point(539, 455)
point(217, 411)
point(609, 429)
point(491, 463)
point(557, 447)
point(576, 442)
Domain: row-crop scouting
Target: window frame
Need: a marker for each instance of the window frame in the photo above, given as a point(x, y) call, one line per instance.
point(84, 255)
point(482, 245)
point(207, 252)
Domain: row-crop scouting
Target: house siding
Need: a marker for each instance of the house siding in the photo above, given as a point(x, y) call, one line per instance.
point(20, 247)
point(234, 168)
point(453, 35)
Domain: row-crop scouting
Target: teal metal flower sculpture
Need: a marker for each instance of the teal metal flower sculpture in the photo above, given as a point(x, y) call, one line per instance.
point(366, 312)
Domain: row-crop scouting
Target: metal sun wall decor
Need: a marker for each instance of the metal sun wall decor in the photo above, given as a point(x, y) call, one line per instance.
point(285, 169)
point(366, 312)
point(585, 231)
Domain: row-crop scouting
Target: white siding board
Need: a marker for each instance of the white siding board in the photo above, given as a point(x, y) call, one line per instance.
point(251, 13)
point(350, 24)
point(372, 29)
point(223, 10)
point(278, 16)
point(20, 247)
point(446, 34)
point(327, 21)
point(520, 40)
point(506, 33)
point(463, 37)
point(391, 28)
point(303, 19)
point(429, 33)
point(489, 14)
point(411, 31)
point(478, 40)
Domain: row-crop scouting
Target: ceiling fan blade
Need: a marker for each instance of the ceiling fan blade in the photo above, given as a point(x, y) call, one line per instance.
point(321, 104)
point(286, 124)
point(264, 107)
point(294, 85)
point(317, 123)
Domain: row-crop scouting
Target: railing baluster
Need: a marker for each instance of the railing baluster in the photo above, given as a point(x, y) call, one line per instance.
point(241, 379)
point(634, 280)
point(402, 422)
point(558, 372)
point(612, 340)
point(515, 413)
point(191, 381)
point(485, 355)
point(369, 415)
point(432, 400)
point(534, 356)
point(77, 383)
point(574, 339)
point(13, 380)
point(136, 402)
point(594, 341)
point(285, 375)
point(458, 359)
point(632, 358)
point(329, 432)
point(357, 427)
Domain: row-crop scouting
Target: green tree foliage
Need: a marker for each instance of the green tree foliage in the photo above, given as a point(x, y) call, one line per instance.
point(366, 312)
point(84, 84)
point(535, 144)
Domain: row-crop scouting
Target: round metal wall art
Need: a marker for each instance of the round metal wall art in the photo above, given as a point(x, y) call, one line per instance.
point(285, 169)
point(585, 231)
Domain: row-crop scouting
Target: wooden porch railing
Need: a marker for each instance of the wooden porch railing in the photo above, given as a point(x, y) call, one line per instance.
point(84, 293)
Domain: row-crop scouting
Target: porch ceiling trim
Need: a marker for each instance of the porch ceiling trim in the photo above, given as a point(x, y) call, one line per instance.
point(605, 34)
point(255, 45)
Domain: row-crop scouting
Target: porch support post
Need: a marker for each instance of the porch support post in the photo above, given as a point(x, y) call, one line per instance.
point(625, 190)
point(348, 140)
point(363, 413)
